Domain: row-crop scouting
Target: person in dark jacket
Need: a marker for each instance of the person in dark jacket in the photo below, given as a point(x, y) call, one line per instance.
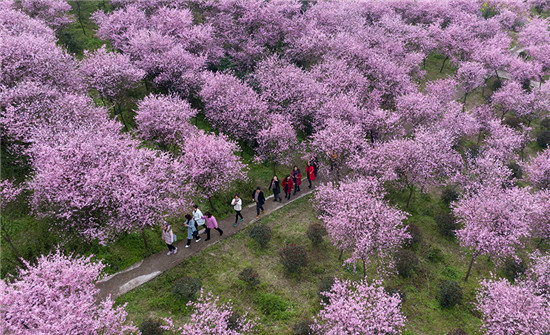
point(296, 178)
point(287, 186)
point(276, 187)
point(259, 199)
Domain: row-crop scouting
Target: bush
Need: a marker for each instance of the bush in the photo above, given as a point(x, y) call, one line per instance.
point(449, 195)
point(416, 236)
point(250, 277)
point(324, 286)
point(450, 294)
point(447, 224)
point(150, 327)
point(517, 171)
point(315, 233)
point(271, 305)
point(543, 138)
point(233, 321)
point(406, 262)
point(186, 288)
point(545, 123)
point(496, 85)
point(303, 327)
point(513, 269)
point(457, 331)
point(261, 234)
point(434, 254)
point(293, 257)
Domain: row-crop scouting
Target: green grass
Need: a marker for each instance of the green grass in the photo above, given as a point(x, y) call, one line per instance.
point(281, 300)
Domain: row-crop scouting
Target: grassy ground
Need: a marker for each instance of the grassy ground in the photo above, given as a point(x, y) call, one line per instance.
point(218, 268)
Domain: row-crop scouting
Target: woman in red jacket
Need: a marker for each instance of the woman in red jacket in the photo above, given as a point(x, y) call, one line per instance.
point(296, 178)
point(310, 173)
point(287, 186)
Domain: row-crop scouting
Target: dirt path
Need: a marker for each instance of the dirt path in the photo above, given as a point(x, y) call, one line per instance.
point(154, 265)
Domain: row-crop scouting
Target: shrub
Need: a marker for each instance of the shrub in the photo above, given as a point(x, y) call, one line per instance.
point(186, 288)
point(543, 138)
point(394, 290)
point(315, 233)
point(406, 262)
point(233, 322)
point(261, 234)
point(516, 169)
point(303, 327)
point(293, 257)
point(545, 123)
point(449, 195)
point(324, 286)
point(513, 268)
point(271, 305)
point(457, 331)
point(150, 327)
point(250, 277)
point(450, 294)
point(416, 236)
point(447, 224)
point(434, 254)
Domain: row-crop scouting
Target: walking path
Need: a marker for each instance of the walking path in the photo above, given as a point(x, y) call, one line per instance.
point(152, 266)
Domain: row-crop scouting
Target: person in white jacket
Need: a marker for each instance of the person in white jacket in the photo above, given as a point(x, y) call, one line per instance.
point(237, 206)
point(197, 216)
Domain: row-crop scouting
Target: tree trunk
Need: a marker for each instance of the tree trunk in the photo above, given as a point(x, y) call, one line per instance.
point(540, 242)
point(341, 253)
point(464, 102)
point(424, 63)
point(78, 5)
point(470, 267)
point(411, 188)
point(122, 117)
point(274, 170)
point(496, 73)
point(145, 241)
point(364, 268)
point(7, 238)
point(211, 204)
point(443, 65)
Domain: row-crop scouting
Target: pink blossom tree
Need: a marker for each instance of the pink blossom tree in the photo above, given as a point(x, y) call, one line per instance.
point(112, 75)
point(232, 106)
point(165, 119)
point(56, 13)
point(210, 317)
point(359, 308)
point(277, 141)
point(512, 309)
point(541, 219)
point(494, 221)
point(538, 170)
point(211, 164)
point(537, 275)
point(57, 296)
point(424, 161)
point(471, 75)
point(335, 144)
point(358, 218)
point(98, 183)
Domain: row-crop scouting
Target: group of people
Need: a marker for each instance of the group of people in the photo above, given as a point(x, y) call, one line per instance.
point(194, 222)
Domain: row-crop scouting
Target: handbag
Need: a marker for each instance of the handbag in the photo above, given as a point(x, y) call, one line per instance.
point(175, 238)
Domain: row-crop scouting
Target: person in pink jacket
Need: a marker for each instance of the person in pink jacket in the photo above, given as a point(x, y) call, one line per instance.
point(168, 238)
point(211, 223)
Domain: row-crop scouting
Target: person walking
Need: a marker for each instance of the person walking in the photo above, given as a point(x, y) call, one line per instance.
point(211, 223)
point(287, 186)
point(259, 199)
point(237, 206)
point(197, 215)
point(191, 229)
point(310, 173)
point(168, 238)
point(296, 178)
point(276, 187)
